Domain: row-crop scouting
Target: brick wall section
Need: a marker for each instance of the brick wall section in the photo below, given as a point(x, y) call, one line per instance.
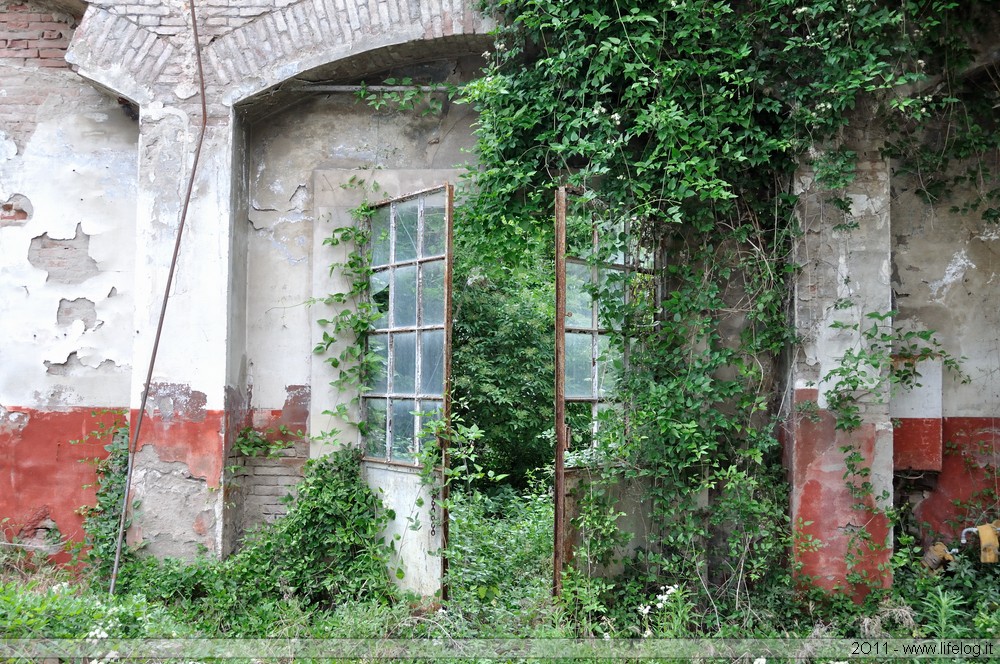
point(33, 43)
point(259, 486)
point(32, 37)
point(284, 33)
point(170, 18)
point(114, 40)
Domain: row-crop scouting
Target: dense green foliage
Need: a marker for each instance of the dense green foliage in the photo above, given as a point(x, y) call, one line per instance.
point(101, 521)
point(677, 126)
point(328, 550)
point(502, 365)
point(681, 122)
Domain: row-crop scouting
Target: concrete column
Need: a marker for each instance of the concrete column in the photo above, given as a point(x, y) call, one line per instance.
point(181, 449)
point(842, 536)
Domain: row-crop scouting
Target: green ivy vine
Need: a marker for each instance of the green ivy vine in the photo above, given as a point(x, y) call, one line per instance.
point(686, 120)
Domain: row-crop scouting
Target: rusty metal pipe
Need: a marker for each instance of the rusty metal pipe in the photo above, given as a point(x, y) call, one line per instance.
point(559, 526)
point(133, 443)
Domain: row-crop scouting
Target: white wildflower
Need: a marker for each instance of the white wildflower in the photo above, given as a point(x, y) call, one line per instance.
point(648, 633)
point(760, 660)
point(607, 637)
point(644, 610)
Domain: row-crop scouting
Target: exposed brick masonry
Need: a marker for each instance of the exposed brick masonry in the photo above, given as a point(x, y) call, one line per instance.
point(32, 38)
point(33, 44)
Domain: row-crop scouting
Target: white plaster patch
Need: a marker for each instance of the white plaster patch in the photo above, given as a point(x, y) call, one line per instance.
point(185, 90)
point(991, 233)
point(955, 271)
point(8, 148)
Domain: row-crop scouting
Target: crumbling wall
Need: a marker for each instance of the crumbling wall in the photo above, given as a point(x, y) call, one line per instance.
point(844, 259)
point(255, 56)
point(946, 279)
point(67, 211)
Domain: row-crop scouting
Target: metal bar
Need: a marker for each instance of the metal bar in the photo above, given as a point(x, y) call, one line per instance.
point(559, 527)
point(134, 443)
point(323, 87)
point(449, 265)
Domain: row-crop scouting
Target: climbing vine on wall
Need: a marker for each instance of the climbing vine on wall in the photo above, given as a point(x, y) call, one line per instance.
point(686, 119)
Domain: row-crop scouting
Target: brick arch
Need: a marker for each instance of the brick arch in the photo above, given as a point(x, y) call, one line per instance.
point(309, 35)
point(133, 57)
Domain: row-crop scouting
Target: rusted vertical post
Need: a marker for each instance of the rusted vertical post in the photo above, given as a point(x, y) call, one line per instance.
point(559, 534)
point(449, 261)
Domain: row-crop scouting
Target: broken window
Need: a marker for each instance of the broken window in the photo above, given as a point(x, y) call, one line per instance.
point(410, 285)
point(596, 278)
point(600, 275)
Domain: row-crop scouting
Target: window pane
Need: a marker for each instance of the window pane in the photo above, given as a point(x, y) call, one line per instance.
point(378, 356)
point(612, 297)
point(579, 235)
point(375, 427)
point(579, 304)
point(379, 292)
point(432, 362)
point(430, 412)
point(432, 293)
point(404, 297)
point(406, 230)
point(580, 419)
point(403, 429)
point(404, 370)
point(380, 236)
point(434, 226)
point(579, 364)
point(608, 363)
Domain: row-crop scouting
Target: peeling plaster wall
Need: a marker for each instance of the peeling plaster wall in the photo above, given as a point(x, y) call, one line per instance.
point(66, 283)
point(324, 132)
point(90, 204)
point(844, 275)
point(67, 270)
point(946, 278)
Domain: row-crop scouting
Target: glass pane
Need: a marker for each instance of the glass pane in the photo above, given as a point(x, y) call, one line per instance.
point(430, 412)
point(379, 292)
point(404, 297)
point(432, 293)
point(579, 364)
point(404, 356)
point(579, 304)
point(432, 362)
point(406, 230)
point(434, 225)
point(380, 236)
point(579, 235)
point(378, 357)
point(375, 427)
point(580, 419)
point(608, 365)
point(613, 241)
point(403, 429)
point(612, 297)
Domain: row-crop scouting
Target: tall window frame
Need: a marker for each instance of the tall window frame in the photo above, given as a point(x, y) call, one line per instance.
point(410, 250)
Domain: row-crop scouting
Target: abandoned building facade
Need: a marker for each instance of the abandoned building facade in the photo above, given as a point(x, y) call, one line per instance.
point(100, 130)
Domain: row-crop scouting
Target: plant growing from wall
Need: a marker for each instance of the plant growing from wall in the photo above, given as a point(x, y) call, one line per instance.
point(267, 443)
point(101, 520)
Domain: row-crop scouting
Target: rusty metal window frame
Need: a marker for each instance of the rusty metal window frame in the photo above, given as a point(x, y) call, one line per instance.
point(381, 402)
point(629, 265)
